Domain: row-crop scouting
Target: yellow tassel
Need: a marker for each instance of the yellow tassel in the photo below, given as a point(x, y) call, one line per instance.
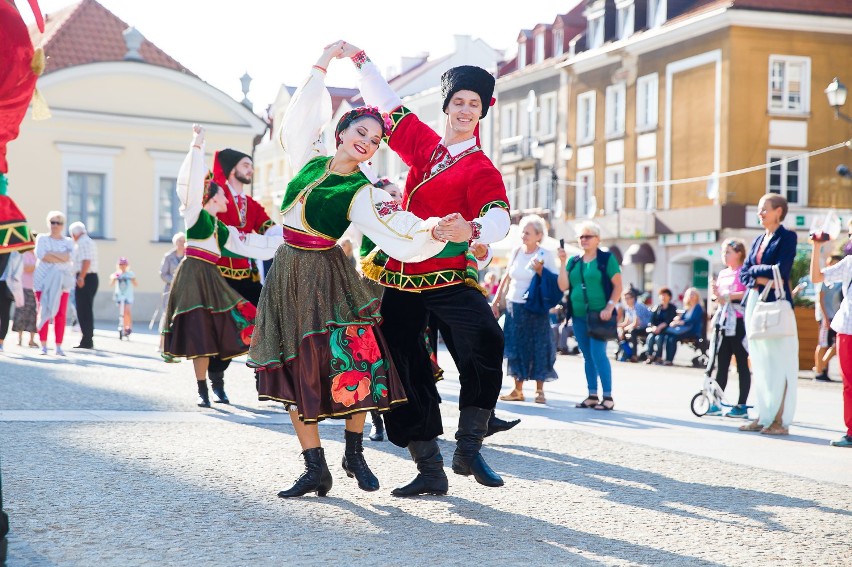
point(370, 269)
point(475, 284)
point(38, 62)
point(40, 108)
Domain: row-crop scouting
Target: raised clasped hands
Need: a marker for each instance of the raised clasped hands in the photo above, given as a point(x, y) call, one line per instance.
point(453, 228)
point(197, 134)
point(338, 50)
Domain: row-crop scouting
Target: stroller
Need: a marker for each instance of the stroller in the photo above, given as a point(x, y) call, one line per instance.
point(711, 393)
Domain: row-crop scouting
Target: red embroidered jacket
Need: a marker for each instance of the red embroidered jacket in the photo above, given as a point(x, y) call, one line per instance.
point(256, 220)
point(468, 184)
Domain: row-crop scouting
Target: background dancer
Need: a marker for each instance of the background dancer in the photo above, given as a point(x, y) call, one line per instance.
point(204, 316)
point(232, 170)
point(445, 174)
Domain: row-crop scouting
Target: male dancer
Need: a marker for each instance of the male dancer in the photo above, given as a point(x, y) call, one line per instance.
point(446, 175)
point(232, 170)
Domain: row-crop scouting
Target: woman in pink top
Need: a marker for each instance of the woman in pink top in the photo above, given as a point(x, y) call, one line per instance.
point(25, 317)
point(728, 322)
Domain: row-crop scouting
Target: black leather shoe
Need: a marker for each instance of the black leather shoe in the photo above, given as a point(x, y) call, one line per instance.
point(431, 478)
point(85, 346)
point(497, 425)
point(217, 384)
point(316, 478)
point(473, 425)
point(378, 431)
point(354, 463)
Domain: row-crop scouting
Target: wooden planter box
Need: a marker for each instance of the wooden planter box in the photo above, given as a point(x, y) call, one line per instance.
point(808, 336)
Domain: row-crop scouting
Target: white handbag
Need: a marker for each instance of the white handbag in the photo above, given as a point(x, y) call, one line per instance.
point(772, 319)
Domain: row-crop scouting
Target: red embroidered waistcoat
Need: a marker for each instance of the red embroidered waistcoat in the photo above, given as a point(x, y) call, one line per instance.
point(468, 184)
point(256, 220)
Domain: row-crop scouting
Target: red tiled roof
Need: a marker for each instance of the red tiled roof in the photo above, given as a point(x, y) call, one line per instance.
point(86, 32)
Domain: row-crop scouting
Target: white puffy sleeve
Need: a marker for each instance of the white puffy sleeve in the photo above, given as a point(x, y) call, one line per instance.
point(494, 225)
point(190, 184)
point(251, 244)
point(400, 234)
point(301, 128)
point(375, 89)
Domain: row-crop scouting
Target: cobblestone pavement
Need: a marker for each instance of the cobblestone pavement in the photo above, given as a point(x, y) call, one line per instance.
point(106, 461)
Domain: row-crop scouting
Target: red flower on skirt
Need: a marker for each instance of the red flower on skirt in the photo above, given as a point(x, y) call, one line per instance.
point(247, 310)
point(350, 387)
point(245, 334)
point(362, 343)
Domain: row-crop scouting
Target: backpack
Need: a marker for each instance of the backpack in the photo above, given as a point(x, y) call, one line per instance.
point(602, 261)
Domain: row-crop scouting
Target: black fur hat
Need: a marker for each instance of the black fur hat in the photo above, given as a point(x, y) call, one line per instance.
point(468, 78)
point(228, 160)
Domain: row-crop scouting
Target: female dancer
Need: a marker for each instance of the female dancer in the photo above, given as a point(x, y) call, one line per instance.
point(318, 348)
point(204, 316)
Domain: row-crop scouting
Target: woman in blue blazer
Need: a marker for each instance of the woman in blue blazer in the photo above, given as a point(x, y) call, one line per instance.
point(775, 362)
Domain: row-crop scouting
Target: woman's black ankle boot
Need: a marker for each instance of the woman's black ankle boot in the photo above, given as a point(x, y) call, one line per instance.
point(355, 465)
point(316, 478)
point(203, 396)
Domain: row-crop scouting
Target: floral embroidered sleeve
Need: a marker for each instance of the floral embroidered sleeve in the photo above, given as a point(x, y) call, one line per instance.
point(400, 234)
point(250, 245)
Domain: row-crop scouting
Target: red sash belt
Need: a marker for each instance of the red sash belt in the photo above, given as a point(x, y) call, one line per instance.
point(202, 254)
point(299, 239)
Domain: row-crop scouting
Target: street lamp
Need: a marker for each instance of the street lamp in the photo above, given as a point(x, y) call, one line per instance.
point(836, 94)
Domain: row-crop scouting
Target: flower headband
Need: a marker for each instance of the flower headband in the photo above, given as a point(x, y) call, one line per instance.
point(361, 111)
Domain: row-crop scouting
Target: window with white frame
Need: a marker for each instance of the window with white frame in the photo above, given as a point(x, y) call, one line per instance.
point(511, 190)
point(558, 42)
point(547, 115)
point(615, 110)
point(624, 19)
point(614, 188)
point(539, 48)
point(527, 190)
point(595, 30)
point(169, 220)
point(87, 173)
point(787, 177)
point(647, 101)
point(656, 13)
point(789, 84)
point(646, 190)
point(508, 120)
point(86, 198)
point(585, 190)
point(522, 55)
point(586, 118)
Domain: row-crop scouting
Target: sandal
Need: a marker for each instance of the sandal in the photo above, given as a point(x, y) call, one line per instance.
point(513, 396)
point(588, 403)
point(751, 426)
point(775, 428)
point(539, 397)
point(606, 405)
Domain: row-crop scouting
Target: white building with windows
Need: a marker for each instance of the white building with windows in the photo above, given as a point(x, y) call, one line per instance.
point(122, 115)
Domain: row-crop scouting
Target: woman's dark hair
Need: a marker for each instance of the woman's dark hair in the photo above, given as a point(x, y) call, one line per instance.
point(210, 191)
point(775, 201)
point(666, 291)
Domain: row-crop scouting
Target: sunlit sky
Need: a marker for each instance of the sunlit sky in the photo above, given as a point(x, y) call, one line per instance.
point(276, 41)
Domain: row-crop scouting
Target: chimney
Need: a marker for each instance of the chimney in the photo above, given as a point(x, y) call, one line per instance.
point(408, 63)
point(133, 40)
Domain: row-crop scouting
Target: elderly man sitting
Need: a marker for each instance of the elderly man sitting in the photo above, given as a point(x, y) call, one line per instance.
point(85, 259)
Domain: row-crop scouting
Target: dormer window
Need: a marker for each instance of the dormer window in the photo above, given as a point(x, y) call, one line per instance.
point(539, 48)
point(657, 13)
point(558, 42)
point(522, 55)
point(595, 31)
point(624, 19)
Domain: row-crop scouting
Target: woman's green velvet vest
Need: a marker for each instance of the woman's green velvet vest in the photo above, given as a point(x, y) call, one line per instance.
point(327, 196)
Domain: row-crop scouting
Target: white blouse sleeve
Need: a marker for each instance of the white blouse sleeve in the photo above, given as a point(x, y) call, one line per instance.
point(190, 185)
point(375, 89)
point(400, 234)
point(494, 225)
point(258, 246)
point(301, 128)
